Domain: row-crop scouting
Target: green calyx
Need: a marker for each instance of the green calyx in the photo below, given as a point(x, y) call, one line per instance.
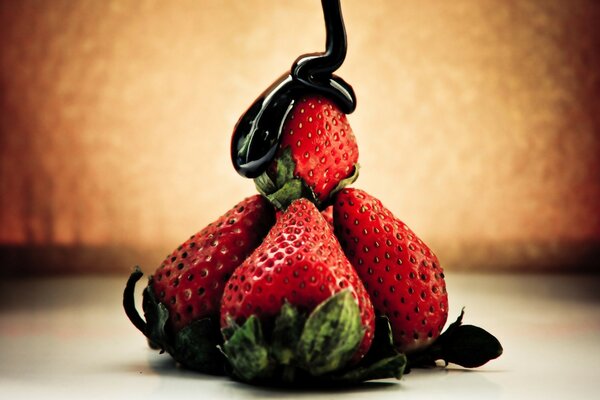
point(331, 335)
point(466, 345)
point(194, 346)
point(346, 181)
point(315, 349)
point(247, 352)
point(285, 187)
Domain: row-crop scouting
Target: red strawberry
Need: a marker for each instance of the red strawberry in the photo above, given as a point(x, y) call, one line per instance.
point(328, 215)
point(189, 283)
point(317, 153)
point(403, 277)
point(300, 262)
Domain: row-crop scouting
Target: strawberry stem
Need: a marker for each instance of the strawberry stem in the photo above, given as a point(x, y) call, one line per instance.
point(282, 189)
point(129, 301)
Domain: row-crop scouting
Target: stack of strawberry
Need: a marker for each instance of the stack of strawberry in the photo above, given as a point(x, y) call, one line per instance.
point(308, 281)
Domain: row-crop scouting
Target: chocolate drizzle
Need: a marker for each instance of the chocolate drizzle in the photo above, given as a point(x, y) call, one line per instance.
point(257, 133)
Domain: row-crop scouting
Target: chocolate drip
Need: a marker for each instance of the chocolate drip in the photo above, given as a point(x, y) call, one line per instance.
point(315, 70)
point(257, 133)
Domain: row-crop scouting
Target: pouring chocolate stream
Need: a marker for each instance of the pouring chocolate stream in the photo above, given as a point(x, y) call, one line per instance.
point(257, 133)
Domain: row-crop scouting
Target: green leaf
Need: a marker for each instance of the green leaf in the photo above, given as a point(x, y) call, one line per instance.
point(346, 181)
point(470, 347)
point(466, 345)
point(157, 316)
point(284, 188)
point(228, 331)
point(453, 326)
point(331, 335)
point(284, 196)
point(381, 362)
point(313, 351)
point(390, 367)
point(286, 334)
point(247, 352)
point(383, 341)
point(264, 184)
point(195, 347)
point(285, 168)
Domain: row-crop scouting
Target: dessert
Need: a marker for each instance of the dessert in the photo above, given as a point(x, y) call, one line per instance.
point(309, 282)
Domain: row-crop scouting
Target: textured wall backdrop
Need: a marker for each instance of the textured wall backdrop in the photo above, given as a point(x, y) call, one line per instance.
point(478, 123)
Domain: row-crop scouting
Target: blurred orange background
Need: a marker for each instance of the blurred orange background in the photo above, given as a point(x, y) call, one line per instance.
point(478, 124)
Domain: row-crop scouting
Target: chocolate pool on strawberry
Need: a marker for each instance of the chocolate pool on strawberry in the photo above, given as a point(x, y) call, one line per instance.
point(295, 140)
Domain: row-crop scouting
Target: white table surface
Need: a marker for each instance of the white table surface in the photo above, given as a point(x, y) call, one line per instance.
point(68, 338)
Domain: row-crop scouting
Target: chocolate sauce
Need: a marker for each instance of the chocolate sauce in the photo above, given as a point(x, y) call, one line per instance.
point(257, 133)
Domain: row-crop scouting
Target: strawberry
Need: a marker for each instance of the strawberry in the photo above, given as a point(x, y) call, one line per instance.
point(191, 279)
point(188, 285)
point(299, 265)
point(317, 154)
point(327, 214)
point(403, 277)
